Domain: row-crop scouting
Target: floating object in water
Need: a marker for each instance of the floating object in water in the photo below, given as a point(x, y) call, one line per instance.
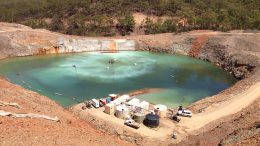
point(108, 67)
point(39, 90)
point(24, 82)
point(74, 66)
point(17, 74)
point(135, 64)
point(58, 94)
point(112, 61)
point(172, 76)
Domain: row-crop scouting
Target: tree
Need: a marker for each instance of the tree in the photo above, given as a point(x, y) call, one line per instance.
point(56, 23)
point(169, 26)
point(223, 19)
point(159, 26)
point(126, 25)
point(208, 20)
point(101, 25)
point(76, 25)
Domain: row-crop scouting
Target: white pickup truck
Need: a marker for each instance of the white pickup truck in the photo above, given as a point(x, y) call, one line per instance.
point(184, 113)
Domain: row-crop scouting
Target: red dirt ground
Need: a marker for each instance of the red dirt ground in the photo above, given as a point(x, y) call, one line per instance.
point(71, 130)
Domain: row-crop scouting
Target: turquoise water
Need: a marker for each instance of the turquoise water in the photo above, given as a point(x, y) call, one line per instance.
point(183, 80)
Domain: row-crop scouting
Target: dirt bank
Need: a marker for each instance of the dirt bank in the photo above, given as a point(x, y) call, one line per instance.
point(71, 130)
point(236, 52)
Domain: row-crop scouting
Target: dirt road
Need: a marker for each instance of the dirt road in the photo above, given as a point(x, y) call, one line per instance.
point(229, 107)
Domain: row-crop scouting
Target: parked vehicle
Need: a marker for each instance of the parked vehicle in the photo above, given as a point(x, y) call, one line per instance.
point(184, 113)
point(132, 123)
point(95, 103)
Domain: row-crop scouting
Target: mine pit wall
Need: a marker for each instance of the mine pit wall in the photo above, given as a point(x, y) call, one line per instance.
point(242, 61)
point(66, 45)
point(87, 45)
point(232, 58)
point(238, 55)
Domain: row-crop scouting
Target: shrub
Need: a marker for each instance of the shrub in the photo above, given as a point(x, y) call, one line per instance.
point(35, 23)
point(159, 26)
point(126, 25)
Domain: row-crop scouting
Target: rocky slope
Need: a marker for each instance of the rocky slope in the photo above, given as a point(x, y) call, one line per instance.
point(32, 131)
point(236, 52)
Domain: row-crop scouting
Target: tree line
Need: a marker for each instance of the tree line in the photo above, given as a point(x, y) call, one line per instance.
point(108, 18)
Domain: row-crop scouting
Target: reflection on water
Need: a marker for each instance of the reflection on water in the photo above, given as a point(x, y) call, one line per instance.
point(72, 78)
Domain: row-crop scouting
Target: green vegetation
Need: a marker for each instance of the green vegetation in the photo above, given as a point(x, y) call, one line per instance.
point(111, 17)
point(159, 26)
point(126, 24)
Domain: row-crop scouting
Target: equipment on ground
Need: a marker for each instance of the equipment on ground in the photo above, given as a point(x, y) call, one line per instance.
point(110, 109)
point(151, 120)
point(174, 136)
point(122, 112)
point(88, 104)
point(131, 123)
point(161, 110)
point(139, 117)
point(176, 118)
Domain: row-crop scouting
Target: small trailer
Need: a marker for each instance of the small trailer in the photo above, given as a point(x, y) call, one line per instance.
point(95, 103)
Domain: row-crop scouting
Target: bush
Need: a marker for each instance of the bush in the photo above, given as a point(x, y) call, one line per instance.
point(126, 25)
point(56, 23)
point(159, 26)
point(100, 25)
point(36, 23)
point(76, 26)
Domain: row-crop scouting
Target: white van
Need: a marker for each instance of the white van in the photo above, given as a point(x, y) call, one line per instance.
point(95, 103)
